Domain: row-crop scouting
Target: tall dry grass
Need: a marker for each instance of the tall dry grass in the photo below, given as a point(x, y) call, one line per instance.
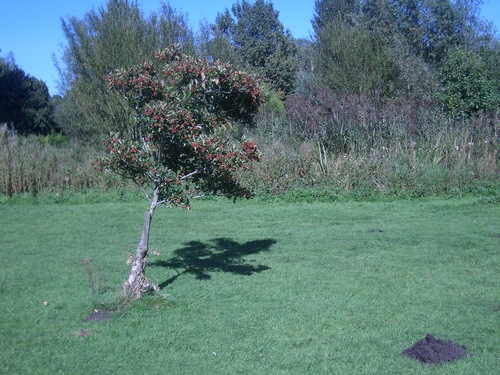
point(28, 165)
point(356, 151)
point(351, 146)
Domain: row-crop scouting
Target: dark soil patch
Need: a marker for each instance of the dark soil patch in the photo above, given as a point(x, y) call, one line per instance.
point(431, 351)
point(98, 315)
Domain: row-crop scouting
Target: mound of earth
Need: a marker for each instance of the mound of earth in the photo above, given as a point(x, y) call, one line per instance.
point(430, 351)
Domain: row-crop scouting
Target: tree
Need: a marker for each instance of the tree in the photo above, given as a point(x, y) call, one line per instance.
point(348, 58)
point(256, 40)
point(182, 107)
point(328, 11)
point(430, 28)
point(217, 43)
point(117, 35)
point(491, 59)
point(25, 103)
point(264, 44)
point(12, 92)
point(351, 60)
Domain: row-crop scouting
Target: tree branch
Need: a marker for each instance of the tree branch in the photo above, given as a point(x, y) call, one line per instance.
point(189, 175)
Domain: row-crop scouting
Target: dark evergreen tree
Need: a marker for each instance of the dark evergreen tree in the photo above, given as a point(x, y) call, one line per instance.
point(25, 103)
point(256, 40)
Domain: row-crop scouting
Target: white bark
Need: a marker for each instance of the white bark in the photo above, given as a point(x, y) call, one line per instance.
point(137, 283)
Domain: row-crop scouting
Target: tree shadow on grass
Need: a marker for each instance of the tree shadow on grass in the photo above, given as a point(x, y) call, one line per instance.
point(217, 255)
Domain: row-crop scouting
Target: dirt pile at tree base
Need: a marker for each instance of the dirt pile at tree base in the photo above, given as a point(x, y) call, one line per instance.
point(431, 351)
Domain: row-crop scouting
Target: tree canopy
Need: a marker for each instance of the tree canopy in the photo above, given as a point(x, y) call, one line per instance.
point(397, 48)
point(260, 42)
point(25, 103)
point(467, 87)
point(381, 50)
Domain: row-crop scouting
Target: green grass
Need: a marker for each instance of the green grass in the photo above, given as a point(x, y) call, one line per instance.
point(252, 287)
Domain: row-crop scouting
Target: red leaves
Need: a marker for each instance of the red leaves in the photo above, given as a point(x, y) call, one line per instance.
point(250, 150)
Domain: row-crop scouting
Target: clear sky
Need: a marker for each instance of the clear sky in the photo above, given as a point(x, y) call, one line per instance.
point(31, 29)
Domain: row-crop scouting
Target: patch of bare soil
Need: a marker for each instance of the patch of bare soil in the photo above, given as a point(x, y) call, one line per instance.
point(431, 351)
point(98, 315)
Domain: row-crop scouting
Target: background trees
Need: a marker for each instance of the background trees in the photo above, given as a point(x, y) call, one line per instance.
point(352, 60)
point(264, 44)
point(216, 41)
point(328, 11)
point(255, 39)
point(25, 103)
point(114, 36)
point(399, 48)
point(378, 49)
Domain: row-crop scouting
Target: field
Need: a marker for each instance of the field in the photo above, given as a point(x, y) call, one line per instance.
point(251, 288)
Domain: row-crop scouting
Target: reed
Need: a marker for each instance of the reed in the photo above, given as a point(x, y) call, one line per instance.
point(29, 165)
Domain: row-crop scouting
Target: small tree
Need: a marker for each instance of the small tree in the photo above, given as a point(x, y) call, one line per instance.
point(182, 108)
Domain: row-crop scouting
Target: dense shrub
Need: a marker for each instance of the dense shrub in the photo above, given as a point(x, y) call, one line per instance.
point(468, 89)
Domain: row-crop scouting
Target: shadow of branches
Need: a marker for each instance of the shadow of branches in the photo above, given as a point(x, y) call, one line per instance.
point(217, 255)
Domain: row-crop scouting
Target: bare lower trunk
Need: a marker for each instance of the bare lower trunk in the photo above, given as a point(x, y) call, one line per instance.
point(137, 283)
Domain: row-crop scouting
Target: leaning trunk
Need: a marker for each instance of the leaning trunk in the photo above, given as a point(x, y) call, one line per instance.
point(137, 283)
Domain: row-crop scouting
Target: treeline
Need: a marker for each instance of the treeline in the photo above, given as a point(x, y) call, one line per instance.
point(386, 95)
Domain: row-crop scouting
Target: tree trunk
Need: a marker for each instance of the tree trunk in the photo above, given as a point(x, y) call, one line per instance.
point(137, 283)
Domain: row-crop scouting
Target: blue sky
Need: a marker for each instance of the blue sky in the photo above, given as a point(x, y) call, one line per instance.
point(31, 29)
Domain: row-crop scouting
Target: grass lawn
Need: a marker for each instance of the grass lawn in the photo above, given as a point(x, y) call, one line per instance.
point(252, 287)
